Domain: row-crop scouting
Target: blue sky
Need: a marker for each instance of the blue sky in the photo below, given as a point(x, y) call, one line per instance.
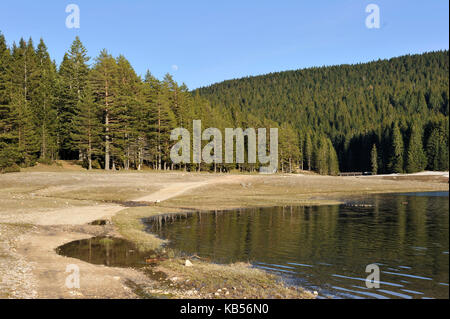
point(211, 41)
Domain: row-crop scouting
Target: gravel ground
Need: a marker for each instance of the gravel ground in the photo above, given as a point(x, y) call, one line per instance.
point(16, 277)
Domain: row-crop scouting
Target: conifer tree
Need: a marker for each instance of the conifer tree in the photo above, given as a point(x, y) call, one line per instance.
point(87, 127)
point(73, 78)
point(333, 163)
point(288, 145)
point(9, 154)
point(123, 112)
point(104, 82)
point(308, 150)
point(43, 98)
point(416, 160)
point(374, 160)
point(23, 80)
point(437, 147)
point(397, 150)
point(321, 160)
point(163, 123)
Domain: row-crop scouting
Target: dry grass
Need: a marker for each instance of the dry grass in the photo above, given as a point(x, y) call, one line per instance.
point(239, 280)
point(129, 225)
point(279, 190)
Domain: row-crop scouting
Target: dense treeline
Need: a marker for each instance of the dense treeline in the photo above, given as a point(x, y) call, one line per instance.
point(100, 112)
point(385, 116)
point(103, 114)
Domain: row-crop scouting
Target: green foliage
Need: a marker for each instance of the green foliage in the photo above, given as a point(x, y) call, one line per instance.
point(289, 151)
point(397, 151)
point(330, 119)
point(416, 158)
point(437, 146)
point(353, 105)
point(374, 160)
point(87, 128)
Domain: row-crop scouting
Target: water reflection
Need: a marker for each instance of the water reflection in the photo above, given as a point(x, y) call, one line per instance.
point(108, 251)
point(327, 248)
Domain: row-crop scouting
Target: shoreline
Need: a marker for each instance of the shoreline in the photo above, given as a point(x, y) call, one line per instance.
point(31, 199)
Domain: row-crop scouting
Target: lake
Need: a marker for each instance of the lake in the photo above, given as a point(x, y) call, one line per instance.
point(327, 248)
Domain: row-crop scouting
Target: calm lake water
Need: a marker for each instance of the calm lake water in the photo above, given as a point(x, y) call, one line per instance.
point(327, 248)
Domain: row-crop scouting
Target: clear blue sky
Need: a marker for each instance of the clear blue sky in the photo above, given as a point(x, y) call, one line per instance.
point(211, 41)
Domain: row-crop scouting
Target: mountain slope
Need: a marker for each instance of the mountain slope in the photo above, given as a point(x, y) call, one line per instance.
point(354, 105)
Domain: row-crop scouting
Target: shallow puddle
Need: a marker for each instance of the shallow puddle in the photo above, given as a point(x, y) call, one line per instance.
point(108, 251)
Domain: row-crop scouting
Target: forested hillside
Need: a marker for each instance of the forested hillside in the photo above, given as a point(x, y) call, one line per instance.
point(386, 116)
point(97, 111)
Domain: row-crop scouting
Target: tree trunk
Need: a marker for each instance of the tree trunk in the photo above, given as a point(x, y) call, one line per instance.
point(106, 128)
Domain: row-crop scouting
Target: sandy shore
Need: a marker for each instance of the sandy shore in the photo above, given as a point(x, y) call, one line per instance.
point(42, 209)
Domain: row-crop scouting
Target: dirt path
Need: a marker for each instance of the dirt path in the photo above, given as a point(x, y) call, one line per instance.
point(176, 189)
point(77, 215)
point(80, 215)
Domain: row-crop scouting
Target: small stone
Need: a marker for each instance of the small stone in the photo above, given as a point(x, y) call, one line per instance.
point(227, 293)
point(219, 290)
point(216, 294)
point(315, 293)
point(188, 263)
point(116, 278)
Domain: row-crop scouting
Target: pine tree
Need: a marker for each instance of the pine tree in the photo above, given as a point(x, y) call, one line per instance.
point(73, 78)
point(333, 163)
point(43, 98)
point(163, 123)
point(288, 145)
point(9, 154)
point(87, 127)
point(308, 150)
point(104, 82)
point(397, 150)
point(437, 147)
point(416, 160)
point(123, 113)
point(374, 160)
point(321, 157)
point(23, 80)
point(145, 120)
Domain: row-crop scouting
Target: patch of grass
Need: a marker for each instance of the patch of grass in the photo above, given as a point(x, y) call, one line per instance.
point(239, 280)
point(10, 169)
point(130, 226)
point(255, 194)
